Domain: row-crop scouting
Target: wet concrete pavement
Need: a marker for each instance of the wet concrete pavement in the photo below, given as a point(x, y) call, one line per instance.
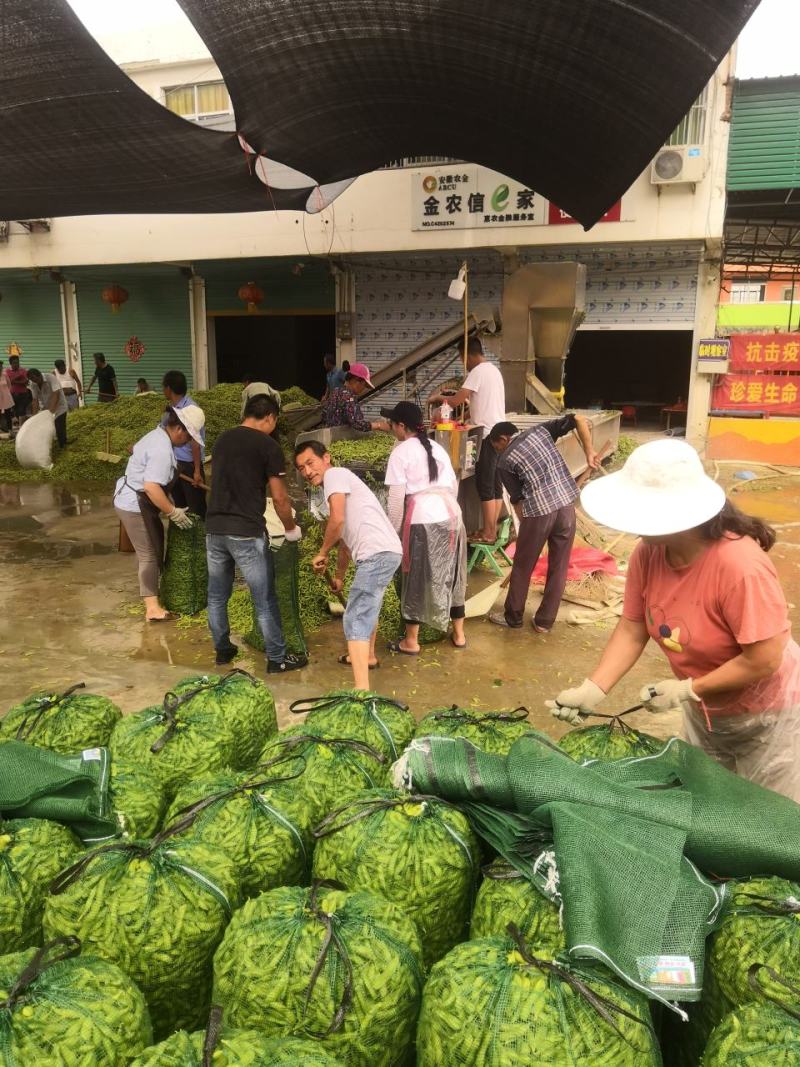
point(70, 613)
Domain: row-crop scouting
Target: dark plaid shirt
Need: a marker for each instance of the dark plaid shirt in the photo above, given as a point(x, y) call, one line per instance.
point(534, 472)
point(342, 409)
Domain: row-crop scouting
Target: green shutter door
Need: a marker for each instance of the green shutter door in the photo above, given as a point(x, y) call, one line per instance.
point(30, 315)
point(156, 315)
point(764, 150)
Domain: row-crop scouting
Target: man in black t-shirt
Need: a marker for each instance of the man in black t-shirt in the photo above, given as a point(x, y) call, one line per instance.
point(106, 380)
point(247, 460)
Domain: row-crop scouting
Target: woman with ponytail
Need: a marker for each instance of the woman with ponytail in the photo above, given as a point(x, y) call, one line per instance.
point(423, 508)
point(701, 586)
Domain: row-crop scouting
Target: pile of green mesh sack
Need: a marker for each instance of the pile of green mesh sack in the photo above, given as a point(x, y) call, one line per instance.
point(259, 821)
point(417, 852)
point(608, 741)
point(497, 1002)
point(386, 725)
point(61, 1009)
point(490, 731)
point(319, 962)
point(760, 927)
point(206, 723)
point(184, 579)
point(507, 896)
point(236, 1048)
point(332, 769)
point(32, 852)
point(158, 910)
point(65, 722)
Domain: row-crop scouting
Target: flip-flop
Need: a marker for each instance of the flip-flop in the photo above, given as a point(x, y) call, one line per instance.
point(394, 646)
point(345, 662)
point(479, 541)
point(169, 617)
point(460, 648)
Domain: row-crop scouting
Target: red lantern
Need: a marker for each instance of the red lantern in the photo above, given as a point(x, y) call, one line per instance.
point(252, 296)
point(115, 295)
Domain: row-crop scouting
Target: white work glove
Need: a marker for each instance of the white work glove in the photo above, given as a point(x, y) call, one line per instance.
point(572, 704)
point(181, 518)
point(294, 534)
point(668, 695)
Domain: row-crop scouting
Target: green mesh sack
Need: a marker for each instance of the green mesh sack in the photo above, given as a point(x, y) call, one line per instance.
point(417, 852)
point(61, 1009)
point(492, 1003)
point(65, 722)
point(234, 1048)
point(334, 768)
point(286, 563)
point(343, 967)
point(261, 824)
point(184, 579)
point(246, 704)
point(507, 896)
point(138, 799)
point(179, 741)
point(760, 925)
point(32, 852)
point(611, 740)
point(158, 909)
point(384, 724)
point(491, 731)
point(757, 1035)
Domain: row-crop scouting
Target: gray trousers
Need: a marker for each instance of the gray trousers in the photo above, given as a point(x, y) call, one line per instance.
point(145, 553)
point(557, 531)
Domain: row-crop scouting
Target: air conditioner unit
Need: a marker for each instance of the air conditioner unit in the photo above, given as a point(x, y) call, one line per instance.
point(683, 164)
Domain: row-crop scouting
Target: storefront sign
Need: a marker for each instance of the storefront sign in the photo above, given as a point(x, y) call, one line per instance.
point(557, 217)
point(463, 196)
point(774, 394)
point(765, 351)
point(714, 348)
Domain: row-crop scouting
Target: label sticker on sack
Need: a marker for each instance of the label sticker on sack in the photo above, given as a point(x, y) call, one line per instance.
point(666, 970)
point(90, 754)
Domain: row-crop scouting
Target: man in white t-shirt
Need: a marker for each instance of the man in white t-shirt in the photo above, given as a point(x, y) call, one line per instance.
point(485, 391)
point(359, 526)
point(49, 396)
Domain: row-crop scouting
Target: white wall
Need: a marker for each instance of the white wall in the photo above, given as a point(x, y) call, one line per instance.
point(374, 215)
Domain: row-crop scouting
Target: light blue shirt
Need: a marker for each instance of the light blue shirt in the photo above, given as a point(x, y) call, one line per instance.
point(183, 453)
point(152, 460)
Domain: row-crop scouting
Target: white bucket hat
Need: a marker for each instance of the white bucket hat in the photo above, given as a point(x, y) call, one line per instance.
point(662, 489)
point(193, 419)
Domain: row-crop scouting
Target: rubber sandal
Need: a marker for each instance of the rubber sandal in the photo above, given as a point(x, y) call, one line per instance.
point(345, 662)
point(460, 648)
point(169, 617)
point(394, 646)
point(539, 629)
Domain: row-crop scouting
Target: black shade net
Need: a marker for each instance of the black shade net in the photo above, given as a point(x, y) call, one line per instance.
point(571, 97)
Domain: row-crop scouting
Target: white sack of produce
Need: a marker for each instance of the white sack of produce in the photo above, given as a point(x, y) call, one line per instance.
point(34, 442)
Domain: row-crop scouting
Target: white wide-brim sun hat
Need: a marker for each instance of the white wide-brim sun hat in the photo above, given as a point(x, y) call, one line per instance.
point(193, 419)
point(662, 489)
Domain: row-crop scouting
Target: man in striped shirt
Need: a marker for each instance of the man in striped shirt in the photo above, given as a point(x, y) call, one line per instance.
point(543, 493)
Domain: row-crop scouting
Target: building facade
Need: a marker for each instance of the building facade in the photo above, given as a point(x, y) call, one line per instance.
point(368, 277)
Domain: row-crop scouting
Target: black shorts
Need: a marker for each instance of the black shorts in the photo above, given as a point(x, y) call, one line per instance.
point(487, 480)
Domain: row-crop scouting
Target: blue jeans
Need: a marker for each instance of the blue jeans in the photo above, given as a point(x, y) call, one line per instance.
point(365, 598)
point(254, 560)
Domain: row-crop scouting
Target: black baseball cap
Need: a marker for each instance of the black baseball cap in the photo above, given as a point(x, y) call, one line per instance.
point(409, 414)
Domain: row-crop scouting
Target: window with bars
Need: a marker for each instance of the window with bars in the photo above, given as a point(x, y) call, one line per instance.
point(195, 102)
point(747, 293)
point(692, 128)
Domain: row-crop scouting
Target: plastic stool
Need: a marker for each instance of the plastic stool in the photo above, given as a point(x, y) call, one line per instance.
point(487, 553)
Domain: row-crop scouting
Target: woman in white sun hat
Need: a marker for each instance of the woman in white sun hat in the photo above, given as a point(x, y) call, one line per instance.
point(141, 498)
point(701, 586)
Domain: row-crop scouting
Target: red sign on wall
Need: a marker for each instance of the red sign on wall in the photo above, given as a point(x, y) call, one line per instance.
point(774, 394)
point(752, 352)
point(557, 217)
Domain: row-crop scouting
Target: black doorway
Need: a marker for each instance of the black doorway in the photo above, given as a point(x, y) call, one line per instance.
point(282, 350)
point(647, 368)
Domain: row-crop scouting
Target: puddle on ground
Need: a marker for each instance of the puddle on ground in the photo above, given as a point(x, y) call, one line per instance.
point(42, 550)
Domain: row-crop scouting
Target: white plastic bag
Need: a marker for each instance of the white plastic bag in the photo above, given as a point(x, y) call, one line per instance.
point(35, 442)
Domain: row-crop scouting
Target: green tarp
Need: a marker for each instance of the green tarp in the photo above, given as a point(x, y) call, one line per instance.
point(629, 841)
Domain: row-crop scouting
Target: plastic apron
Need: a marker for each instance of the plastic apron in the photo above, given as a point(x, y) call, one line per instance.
point(434, 562)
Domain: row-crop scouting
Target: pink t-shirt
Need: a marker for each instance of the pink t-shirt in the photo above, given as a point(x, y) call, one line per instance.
point(702, 614)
